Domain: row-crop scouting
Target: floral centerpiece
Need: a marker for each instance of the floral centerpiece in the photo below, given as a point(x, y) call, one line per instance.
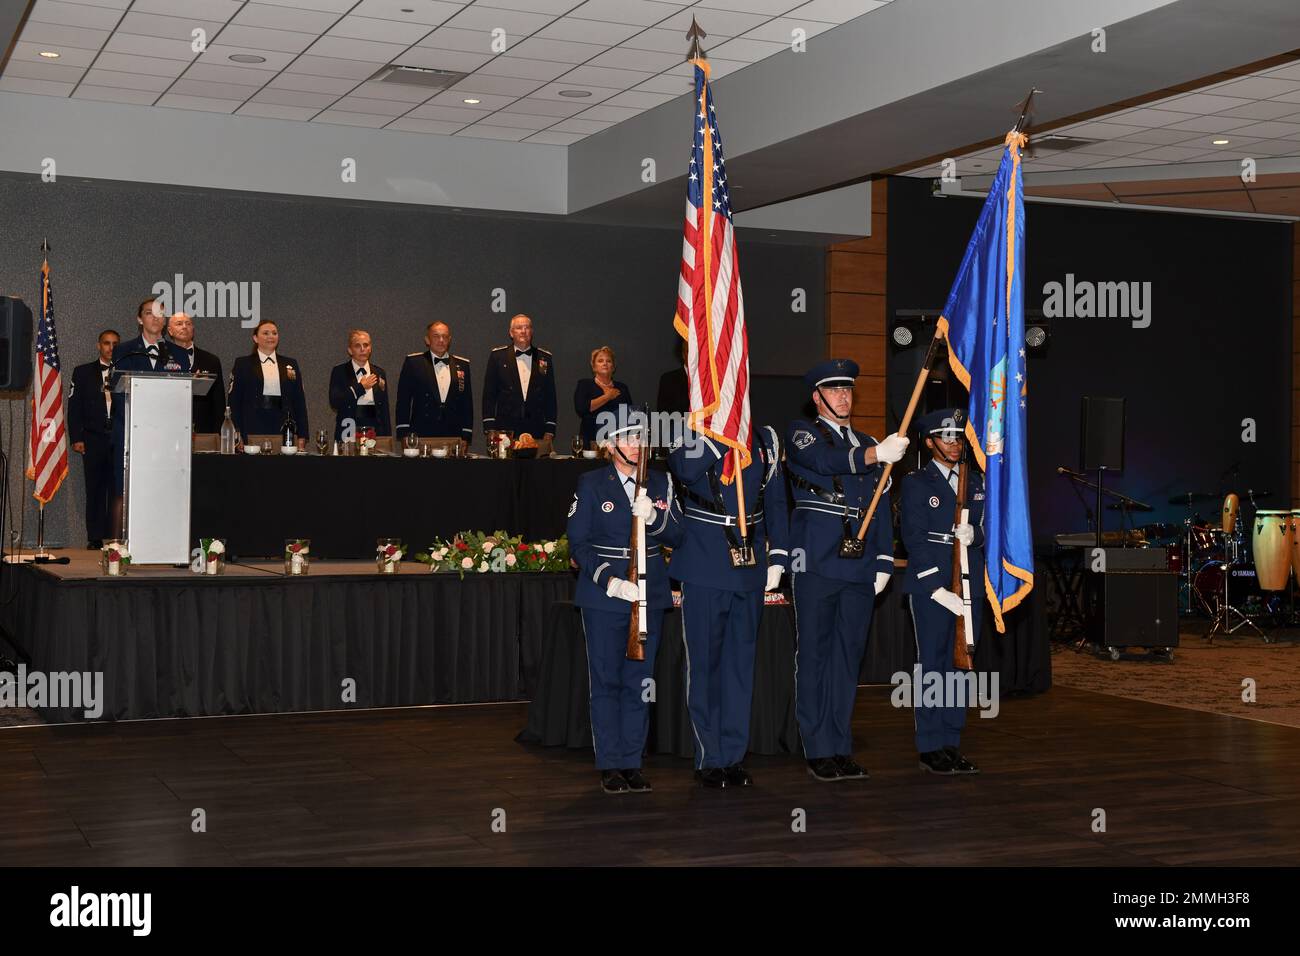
point(366, 440)
point(114, 558)
point(388, 555)
point(478, 552)
point(213, 552)
point(296, 556)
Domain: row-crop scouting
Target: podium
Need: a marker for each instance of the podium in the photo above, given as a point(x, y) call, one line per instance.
point(156, 509)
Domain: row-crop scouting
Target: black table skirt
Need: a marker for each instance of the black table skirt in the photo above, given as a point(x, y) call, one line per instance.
point(193, 646)
point(559, 713)
point(344, 504)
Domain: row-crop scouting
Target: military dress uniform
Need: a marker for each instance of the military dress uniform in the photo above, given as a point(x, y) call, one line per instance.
point(722, 604)
point(435, 397)
point(136, 355)
point(832, 486)
point(599, 522)
point(929, 502)
point(90, 422)
point(519, 391)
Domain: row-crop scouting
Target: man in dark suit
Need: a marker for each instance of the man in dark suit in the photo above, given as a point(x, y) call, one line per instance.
point(519, 385)
point(209, 410)
point(435, 397)
point(264, 385)
point(359, 389)
point(90, 427)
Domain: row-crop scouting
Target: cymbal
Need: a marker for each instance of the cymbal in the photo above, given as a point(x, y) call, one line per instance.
point(1256, 495)
point(1125, 506)
point(1188, 497)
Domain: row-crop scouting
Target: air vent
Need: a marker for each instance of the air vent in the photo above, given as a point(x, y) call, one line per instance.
point(422, 77)
point(1055, 143)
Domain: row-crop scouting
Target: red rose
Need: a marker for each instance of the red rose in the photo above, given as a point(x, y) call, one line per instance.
point(461, 546)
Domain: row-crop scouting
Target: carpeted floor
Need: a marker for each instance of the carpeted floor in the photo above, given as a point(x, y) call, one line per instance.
point(1202, 676)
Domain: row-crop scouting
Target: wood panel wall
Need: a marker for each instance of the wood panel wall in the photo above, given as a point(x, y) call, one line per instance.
point(1295, 365)
point(855, 312)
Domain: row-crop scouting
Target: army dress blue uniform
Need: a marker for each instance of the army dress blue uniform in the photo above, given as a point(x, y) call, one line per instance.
point(722, 604)
point(929, 502)
point(507, 405)
point(600, 520)
point(832, 486)
point(421, 407)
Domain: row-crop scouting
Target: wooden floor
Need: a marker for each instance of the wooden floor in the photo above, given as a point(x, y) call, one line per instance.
point(420, 787)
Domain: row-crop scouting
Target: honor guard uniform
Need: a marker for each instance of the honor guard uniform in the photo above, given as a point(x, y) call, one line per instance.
point(929, 503)
point(600, 519)
point(723, 577)
point(833, 473)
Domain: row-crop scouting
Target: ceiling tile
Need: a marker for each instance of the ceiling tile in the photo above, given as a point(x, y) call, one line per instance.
point(431, 12)
point(529, 121)
point(608, 114)
point(412, 125)
point(150, 46)
point(348, 49)
point(219, 73)
point(307, 83)
point(219, 54)
point(68, 55)
point(1095, 129)
point(640, 12)
point(1170, 153)
point(647, 61)
point(525, 69)
point(331, 66)
point(588, 31)
point(208, 105)
point(516, 23)
point(447, 114)
point(221, 10)
point(1200, 103)
point(552, 92)
point(580, 126)
point(534, 6)
point(75, 15)
point(1158, 137)
point(110, 94)
point(358, 104)
point(493, 132)
point(486, 101)
point(56, 36)
point(122, 63)
point(562, 51)
point(1271, 129)
point(1263, 110)
point(668, 41)
point(781, 30)
point(1291, 72)
point(1146, 116)
point(400, 92)
point(174, 28)
point(470, 41)
point(666, 83)
point(500, 85)
point(640, 99)
point(552, 138)
point(278, 97)
point(329, 6)
point(453, 60)
point(600, 76)
point(285, 18)
point(835, 11)
point(342, 118)
point(19, 84)
point(1211, 124)
point(1256, 87)
point(220, 91)
point(715, 21)
point(751, 51)
point(44, 70)
point(126, 81)
point(1286, 98)
point(118, 5)
point(261, 38)
point(538, 107)
point(383, 31)
point(276, 111)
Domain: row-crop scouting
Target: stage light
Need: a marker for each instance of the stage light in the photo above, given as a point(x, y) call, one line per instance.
point(1035, 336)
point(1037, 332)
point(902, 336)
point(911, 327)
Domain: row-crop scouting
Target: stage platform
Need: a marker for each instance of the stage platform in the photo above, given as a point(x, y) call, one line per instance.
point(419, 787)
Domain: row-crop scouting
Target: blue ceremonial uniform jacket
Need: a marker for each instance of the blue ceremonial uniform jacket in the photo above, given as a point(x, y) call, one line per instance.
point(345, 389)
point(87, 413)
point(246, 395)
point(703, 556)
point(420, 407)
point(504, 405)
point(129, 357)
point(929, 503)
point(600, 524)
point(816, 525)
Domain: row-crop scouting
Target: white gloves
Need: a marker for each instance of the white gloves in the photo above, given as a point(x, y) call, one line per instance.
point(882, 578)
point(891, 449)
point(643, 507)
point(949, 600)
point(623, 589)
point(773, 577)
point(965, 534)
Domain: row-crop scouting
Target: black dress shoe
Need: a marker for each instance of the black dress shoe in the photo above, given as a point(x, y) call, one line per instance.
point(849, 770)
point(611, 781)
point(738, 776)
point(823, 769)
point(937, 761)
point(635, 782)
point(959, 763)
point(712, 778)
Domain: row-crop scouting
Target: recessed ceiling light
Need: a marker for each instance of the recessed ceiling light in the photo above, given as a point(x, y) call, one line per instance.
point(1220, 142)
point(472, 101)
point(408, 10)
point(246, 58)
point(575, 93)
point(49, 54)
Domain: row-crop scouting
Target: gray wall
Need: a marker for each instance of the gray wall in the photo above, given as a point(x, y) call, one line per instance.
point(326, 266)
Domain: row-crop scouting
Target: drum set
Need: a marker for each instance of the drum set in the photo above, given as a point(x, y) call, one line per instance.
point(1236, 571)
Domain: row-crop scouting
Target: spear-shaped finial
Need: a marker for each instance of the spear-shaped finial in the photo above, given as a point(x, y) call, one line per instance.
point(45, 247)
point(1025, 109)
point(695, 34)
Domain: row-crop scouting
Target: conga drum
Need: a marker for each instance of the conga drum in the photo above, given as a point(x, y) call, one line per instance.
point(1273, 541)
point(1231, 506)
point(1295, 541)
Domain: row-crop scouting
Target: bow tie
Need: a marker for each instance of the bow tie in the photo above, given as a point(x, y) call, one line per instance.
point(528, 352)
point(268, 360)
point(361, 373)
point(152, 350)
point(440, 361)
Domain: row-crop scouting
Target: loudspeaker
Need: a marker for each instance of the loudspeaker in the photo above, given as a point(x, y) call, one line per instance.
point(1102, 444)
point(15, 344)
point(1139, 609)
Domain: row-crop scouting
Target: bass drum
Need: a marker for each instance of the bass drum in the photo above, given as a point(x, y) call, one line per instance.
point(1243, 588)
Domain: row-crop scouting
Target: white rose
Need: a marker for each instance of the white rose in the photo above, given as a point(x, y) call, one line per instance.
point(549, 547)
point(216, 547)
point(489, 544)
point(395, 556)
point(510, 560)
point(483, 567)
point(467, 563)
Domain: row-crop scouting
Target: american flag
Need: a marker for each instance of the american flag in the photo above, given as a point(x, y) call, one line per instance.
point(710, 307)
point(49, 460)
